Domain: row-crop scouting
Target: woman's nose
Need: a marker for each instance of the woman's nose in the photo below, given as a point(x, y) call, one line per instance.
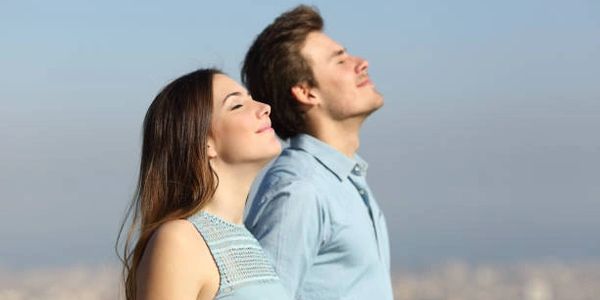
point(265, 109)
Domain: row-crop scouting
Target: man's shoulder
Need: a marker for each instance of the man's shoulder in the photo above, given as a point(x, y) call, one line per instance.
point(294, 171)
point(288, 185)
point(293, 164)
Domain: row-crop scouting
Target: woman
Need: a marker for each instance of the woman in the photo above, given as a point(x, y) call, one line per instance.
point(204, 141)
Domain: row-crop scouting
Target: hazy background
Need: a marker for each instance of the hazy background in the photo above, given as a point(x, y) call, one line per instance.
point(486, 151)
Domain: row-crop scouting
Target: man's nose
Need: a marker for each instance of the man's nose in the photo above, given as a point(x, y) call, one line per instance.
point(361, 65)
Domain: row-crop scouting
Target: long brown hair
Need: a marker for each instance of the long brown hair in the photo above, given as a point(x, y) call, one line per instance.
point(175, 178)
point(274, 64)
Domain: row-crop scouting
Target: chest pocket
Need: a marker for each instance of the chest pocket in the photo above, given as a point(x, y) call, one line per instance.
point(352, 240)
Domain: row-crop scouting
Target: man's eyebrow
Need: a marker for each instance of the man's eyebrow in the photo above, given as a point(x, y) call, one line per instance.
point(337, 53)
point(231, 95)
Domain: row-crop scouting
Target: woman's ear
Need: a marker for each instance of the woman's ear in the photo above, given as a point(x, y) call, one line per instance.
point(210, 149)
point(304, 94)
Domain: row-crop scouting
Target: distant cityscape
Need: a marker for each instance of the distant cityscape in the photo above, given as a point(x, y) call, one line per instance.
point(550, 280)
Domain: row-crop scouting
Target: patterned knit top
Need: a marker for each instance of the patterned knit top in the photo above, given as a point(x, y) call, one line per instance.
point(245, 272)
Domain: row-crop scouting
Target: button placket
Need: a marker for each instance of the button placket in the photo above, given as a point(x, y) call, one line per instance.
point(360, 185)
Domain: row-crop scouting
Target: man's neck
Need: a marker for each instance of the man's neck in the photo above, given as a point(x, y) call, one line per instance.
point(342, 136)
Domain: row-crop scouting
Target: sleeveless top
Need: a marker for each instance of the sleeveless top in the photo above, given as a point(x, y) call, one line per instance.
point(244, 270)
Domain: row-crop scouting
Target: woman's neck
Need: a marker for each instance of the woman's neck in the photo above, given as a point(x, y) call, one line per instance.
point(232, 191)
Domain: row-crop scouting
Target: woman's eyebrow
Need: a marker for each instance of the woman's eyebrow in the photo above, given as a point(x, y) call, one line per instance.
point(231, 95)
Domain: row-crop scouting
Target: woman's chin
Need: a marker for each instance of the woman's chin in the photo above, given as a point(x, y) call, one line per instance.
point(270, 156)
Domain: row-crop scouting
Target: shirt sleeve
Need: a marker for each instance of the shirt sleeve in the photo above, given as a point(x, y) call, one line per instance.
point(287, 221)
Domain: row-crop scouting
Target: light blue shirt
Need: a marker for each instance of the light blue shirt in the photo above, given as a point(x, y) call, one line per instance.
point(319, 223)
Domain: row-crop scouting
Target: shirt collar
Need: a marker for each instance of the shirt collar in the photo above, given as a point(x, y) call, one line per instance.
point(336, 162)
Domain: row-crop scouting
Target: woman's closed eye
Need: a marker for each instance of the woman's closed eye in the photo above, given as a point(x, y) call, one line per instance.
point(236, 106)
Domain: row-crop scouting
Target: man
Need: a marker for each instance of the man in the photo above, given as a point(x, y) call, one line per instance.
point(314, 213)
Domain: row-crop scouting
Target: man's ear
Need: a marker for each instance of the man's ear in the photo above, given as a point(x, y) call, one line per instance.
point(304, 94)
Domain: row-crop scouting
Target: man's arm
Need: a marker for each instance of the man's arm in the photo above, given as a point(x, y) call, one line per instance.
point(286, 220)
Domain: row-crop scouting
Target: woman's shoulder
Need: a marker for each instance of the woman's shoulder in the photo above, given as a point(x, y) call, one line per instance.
point(176, 253)
point(179, 240)
point(176, 233)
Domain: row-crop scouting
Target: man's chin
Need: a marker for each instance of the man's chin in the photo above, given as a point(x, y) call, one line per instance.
point(373, 109)
point(378, 102)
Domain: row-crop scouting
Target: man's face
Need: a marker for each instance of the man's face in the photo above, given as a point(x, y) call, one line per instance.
point(344, 89)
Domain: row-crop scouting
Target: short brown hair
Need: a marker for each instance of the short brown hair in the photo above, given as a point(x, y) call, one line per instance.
point(274, 64)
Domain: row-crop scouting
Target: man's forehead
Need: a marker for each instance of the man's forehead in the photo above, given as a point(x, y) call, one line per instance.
point(319, 46)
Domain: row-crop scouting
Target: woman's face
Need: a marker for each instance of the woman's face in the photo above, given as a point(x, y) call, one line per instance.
point(241, 128)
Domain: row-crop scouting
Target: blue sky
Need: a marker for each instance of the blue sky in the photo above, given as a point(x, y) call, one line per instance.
point(486, 149)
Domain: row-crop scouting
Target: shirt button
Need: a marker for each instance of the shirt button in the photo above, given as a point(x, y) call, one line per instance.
point(361, 191)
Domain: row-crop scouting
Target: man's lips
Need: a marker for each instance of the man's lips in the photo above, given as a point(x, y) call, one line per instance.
point(364, 82)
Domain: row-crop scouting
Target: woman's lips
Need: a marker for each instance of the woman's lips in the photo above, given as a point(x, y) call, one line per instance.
point(265, 129)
